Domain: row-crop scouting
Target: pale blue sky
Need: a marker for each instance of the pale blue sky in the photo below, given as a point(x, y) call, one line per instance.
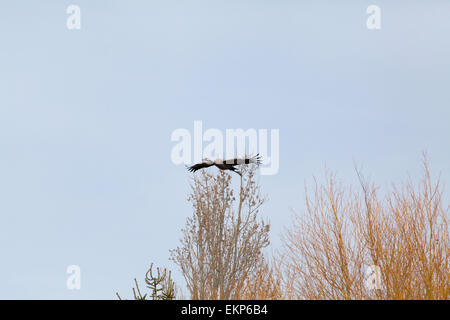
point(86, 118)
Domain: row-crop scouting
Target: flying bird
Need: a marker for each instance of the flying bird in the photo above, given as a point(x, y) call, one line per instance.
point(226, 164)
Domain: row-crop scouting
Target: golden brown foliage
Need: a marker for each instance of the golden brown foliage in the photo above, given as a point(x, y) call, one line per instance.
point(263, 284)
point(328, 249)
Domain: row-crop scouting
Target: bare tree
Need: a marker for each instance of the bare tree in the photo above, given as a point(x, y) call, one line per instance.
point(328, 249)
point(222, 242)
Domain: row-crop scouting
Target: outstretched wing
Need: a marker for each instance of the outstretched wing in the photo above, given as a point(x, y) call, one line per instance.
point(238, 161)
point(198, 166)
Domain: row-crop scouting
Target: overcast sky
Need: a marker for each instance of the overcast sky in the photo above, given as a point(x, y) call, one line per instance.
point(86, 117)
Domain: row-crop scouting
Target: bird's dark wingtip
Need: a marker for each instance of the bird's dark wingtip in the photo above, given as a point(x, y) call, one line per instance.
point(258, 159)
